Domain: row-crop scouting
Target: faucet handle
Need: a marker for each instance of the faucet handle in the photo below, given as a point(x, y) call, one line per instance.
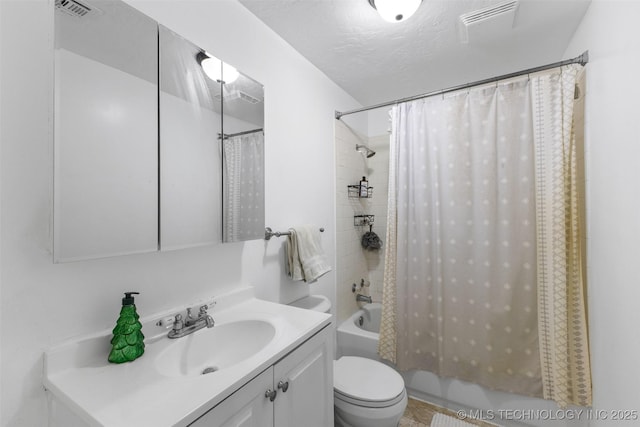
point(203, 310)
point(208, 306)
point(178, 323)
point(204, 315)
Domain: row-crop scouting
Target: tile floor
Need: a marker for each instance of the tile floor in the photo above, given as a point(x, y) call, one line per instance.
point(419, 414)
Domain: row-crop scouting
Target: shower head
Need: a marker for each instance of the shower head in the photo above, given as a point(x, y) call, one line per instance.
point(365, 150)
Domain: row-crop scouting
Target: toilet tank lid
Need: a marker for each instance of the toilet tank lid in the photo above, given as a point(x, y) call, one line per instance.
point(366, 379)
point(313, 302)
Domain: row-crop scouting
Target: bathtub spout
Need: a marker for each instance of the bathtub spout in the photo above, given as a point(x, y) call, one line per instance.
point(364, 298)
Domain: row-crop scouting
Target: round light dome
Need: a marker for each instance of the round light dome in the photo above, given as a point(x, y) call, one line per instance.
point(395, 10)
point(229, 73)
point(212, 68)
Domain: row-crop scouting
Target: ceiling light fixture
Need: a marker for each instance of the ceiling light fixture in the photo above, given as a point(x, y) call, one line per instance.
point(395, 10)
point(215, 69)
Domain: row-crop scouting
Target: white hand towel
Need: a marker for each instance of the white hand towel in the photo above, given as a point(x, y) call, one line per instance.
point(294, 267)
point(305, 258)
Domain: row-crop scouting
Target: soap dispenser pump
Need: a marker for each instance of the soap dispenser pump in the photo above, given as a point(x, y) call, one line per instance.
point(127, 343)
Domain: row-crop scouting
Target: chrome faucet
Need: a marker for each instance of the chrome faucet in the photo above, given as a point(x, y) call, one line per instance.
point(182, 327)
point(364, 298)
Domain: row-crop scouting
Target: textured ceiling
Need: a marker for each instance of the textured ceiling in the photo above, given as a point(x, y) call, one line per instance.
point(376, 61)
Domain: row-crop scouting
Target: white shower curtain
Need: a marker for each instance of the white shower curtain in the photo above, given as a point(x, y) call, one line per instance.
point(461, 286)
point(243, 186)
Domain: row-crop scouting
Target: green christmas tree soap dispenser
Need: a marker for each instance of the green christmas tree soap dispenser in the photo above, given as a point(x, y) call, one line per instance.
point(127, 343)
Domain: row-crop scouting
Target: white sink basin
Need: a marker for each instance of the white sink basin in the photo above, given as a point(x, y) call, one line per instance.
point(249, 336)
point(209, 350)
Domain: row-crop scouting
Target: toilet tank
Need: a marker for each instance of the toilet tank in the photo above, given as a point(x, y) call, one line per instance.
point(313, 302)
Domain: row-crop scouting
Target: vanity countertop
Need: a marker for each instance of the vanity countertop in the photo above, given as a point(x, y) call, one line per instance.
point(138, 394)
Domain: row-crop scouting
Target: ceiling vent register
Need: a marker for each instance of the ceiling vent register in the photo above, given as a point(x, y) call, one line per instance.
point(240, 95)
point(76, 8)
point(489, 23)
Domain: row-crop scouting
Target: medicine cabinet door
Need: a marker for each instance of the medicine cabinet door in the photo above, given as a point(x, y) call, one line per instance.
point(190, 163)
point(105, 131)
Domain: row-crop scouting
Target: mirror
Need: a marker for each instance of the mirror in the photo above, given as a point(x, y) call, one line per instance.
point(243, 158)
point(201, 99)
point(105, 131)
point(190, 157)
point(156, 145)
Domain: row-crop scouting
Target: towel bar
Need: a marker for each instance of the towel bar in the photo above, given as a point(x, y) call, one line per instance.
point(269, 233)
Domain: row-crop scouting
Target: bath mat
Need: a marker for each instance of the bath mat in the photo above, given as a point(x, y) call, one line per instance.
point(442, 420)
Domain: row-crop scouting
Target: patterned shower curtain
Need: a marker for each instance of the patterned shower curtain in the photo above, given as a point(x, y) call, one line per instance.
point(463, 294)
point(243, 191)
point(564, 347)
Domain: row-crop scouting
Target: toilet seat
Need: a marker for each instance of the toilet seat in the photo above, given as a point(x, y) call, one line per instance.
point(366, 383)
point(369, 404)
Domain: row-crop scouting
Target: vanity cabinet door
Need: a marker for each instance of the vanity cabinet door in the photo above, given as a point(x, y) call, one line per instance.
point(304, 381)
point(303, 385)
point(247, 407)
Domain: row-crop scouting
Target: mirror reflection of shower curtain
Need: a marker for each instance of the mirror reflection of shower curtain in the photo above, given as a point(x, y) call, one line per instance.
point(243, 191)
point(460, 290)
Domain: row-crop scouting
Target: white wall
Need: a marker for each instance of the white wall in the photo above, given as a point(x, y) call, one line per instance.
point(44, 304)
point(379, 122)
point(611, 33)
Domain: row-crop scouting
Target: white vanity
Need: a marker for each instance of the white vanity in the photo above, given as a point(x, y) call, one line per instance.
point(262, 364)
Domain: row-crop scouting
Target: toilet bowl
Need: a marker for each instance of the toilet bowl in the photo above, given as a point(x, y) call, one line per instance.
point(367, 393)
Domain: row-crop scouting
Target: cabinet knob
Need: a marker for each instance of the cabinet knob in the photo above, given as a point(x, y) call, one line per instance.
point(271, 394)
point(284, 386)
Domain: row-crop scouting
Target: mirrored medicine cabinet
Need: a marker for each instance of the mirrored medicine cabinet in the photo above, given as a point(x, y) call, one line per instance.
point(150, 151)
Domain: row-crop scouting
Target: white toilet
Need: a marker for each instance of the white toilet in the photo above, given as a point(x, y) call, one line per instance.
point(366, 393)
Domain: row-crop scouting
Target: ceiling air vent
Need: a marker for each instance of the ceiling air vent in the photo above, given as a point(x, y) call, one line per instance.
point(240, 95)
point(248, 98)
point(75, 8)
point(489, 23)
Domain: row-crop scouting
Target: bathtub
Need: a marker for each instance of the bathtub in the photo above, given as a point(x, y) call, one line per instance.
point(358, 336)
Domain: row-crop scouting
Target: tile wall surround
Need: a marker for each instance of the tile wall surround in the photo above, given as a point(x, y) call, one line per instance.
point(353, 262)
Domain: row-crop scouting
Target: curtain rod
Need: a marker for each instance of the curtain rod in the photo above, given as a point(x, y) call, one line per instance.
point(582, 60)
point(246, 132)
